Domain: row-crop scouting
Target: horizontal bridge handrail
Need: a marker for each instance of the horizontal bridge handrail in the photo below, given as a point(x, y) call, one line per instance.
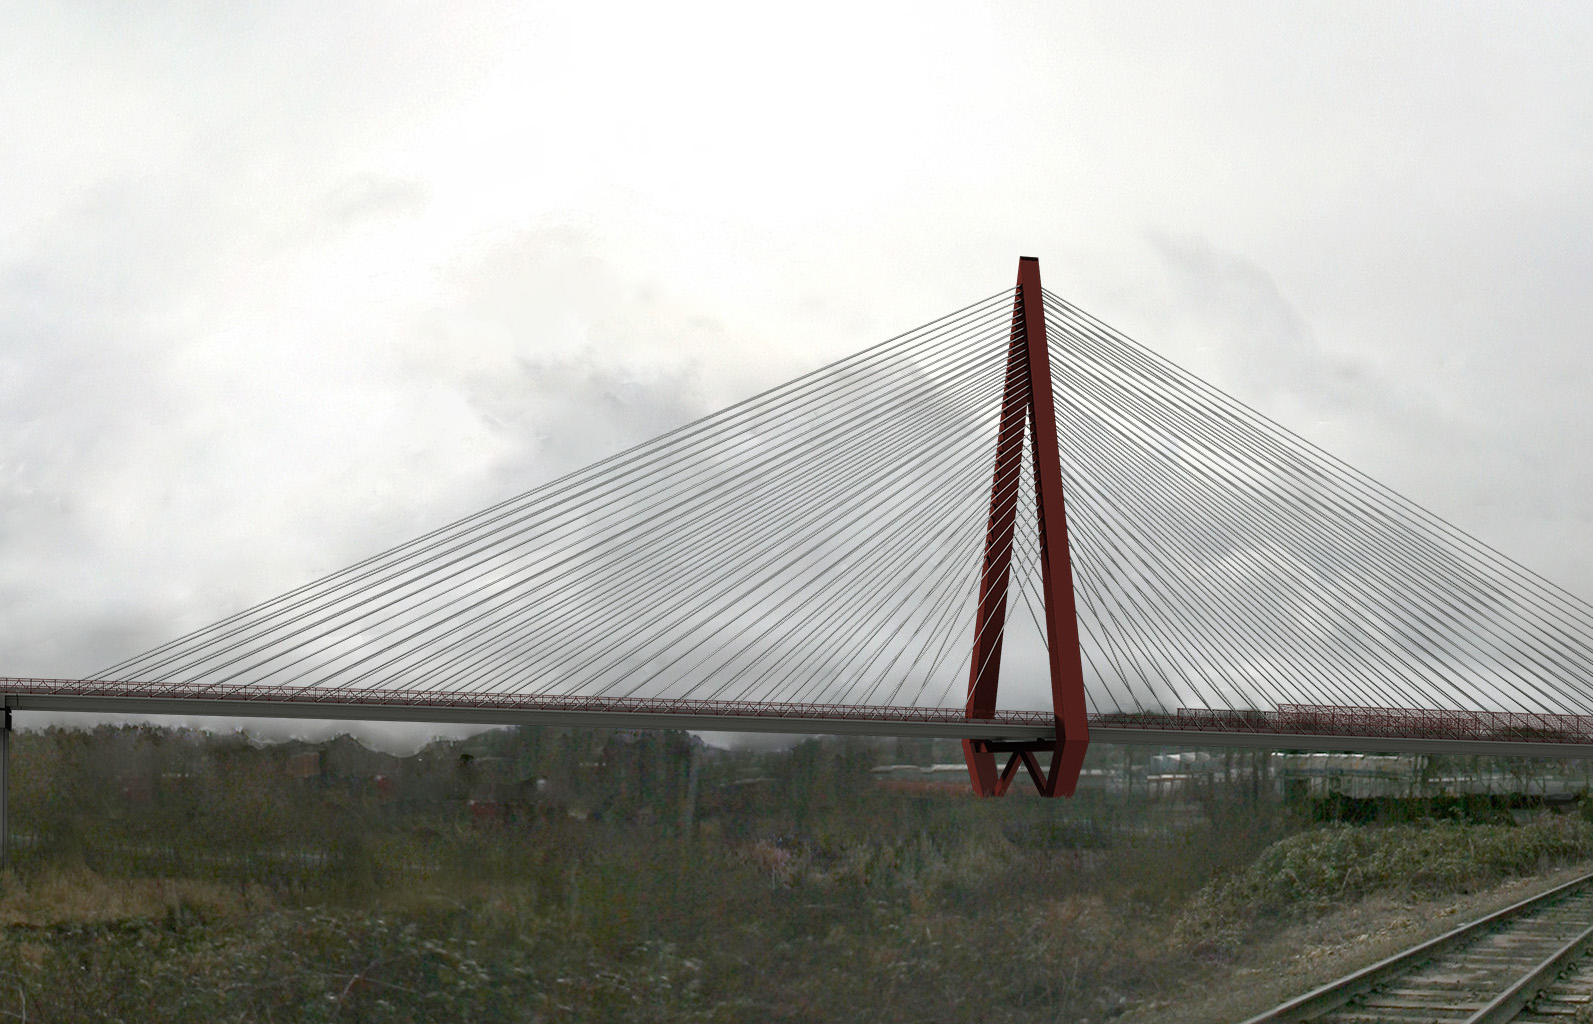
point(1283, 720)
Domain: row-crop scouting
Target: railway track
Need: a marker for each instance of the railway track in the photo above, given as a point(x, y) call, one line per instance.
point(1525, 963)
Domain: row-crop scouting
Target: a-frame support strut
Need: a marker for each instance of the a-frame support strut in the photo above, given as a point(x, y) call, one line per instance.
point(1027, 407)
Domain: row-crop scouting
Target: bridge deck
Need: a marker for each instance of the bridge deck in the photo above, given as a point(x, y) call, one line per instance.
point(1290, 727)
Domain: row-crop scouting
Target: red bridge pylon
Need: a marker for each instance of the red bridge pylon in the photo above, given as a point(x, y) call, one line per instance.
point(1026, 402)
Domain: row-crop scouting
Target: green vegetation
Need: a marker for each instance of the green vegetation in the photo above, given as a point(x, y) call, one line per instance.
point(1314, 870)
point(543, 875)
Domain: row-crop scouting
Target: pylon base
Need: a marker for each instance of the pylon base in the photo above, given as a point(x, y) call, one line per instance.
point(1066, 761)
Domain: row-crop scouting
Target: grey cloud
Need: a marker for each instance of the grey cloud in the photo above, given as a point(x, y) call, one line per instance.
point(1267, 346)
point(1397, 263)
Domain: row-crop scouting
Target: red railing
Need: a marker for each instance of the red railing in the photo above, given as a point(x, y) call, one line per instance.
point(1392, 723)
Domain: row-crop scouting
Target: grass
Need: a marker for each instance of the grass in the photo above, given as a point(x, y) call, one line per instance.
point(574, 923)
point(639, 931)
point(606, 924)
point(55, 897)
point(229, 893)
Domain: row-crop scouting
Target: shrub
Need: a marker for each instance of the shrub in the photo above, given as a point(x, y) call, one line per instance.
point(1311, 871)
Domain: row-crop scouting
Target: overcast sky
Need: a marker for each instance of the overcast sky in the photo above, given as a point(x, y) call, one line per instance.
point(282, 284)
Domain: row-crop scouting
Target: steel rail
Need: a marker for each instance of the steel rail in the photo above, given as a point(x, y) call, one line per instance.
point(1336, 994)
point(1513, 999)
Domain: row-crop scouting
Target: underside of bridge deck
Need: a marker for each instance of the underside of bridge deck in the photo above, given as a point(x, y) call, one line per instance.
point(834, 721)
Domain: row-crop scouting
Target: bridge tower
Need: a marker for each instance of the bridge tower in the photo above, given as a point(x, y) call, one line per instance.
point(1027, 407)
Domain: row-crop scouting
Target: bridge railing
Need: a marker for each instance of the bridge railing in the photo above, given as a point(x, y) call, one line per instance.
point(1285, 719)
point(1394, 723)
point(245, 694)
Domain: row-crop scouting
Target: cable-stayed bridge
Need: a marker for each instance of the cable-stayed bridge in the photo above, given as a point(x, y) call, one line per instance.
point(1013, 525)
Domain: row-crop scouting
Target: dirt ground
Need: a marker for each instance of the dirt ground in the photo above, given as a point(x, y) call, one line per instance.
point(1301, 957)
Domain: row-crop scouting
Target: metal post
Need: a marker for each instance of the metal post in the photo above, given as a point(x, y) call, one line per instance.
point(5, 790)
point(688, 812)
